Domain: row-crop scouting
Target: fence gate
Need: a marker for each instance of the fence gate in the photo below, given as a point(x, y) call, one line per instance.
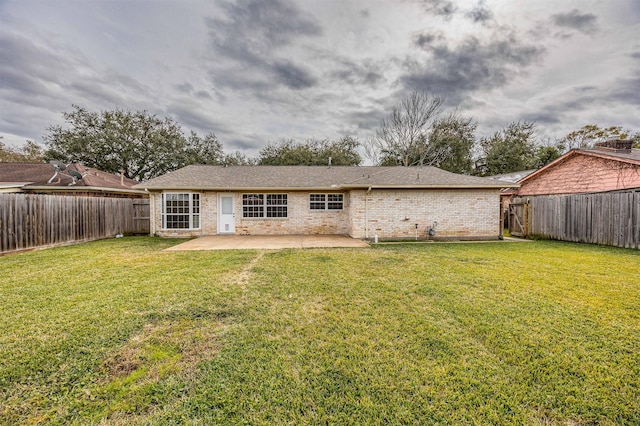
point(141, 212)
point(519, 218)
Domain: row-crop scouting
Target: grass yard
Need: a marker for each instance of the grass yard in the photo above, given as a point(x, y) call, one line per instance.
point(118, 332)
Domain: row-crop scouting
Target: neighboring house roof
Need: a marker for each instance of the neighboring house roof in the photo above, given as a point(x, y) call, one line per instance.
point(201, 177)
point(512, 177)
point(43, 176)
point(631, 158)
point(607, 167)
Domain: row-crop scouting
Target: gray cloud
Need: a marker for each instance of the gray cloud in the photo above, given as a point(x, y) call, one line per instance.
point(21, 73)
point(580, 101)
point(97, 92)
point(367, 72)
point(246, 143)
point(583, 22)
point(252, 37)
point(426, 39)
point(184, 87)
point(292, 75)
point(480, 13)
point(193, 115)
point(44, 79)
point(543, 117)
point(625, 91)
point(261, 70)
point(203, 94)
point(367, 119)
point(471, 66)
point(444, 8)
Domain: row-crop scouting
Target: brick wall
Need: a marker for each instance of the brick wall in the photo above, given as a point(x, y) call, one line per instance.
point(389, 213)
point(300, 220)
point(394, 213)
point(583, 173)
point(208, 217)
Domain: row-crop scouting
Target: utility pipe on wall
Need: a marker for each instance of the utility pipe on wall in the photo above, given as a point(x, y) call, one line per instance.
point(366, 214)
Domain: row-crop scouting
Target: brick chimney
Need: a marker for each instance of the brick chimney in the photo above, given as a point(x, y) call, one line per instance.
point(615, 145)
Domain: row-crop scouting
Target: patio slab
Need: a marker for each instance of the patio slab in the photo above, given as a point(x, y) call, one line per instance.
point(267, 242)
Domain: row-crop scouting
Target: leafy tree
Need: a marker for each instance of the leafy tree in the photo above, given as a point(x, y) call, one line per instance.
point(510, 150)
point(206, 150)
point(237, 158)
point(589, 134)
point(451, 143)
point(403, 136)
point(343, 152)
point(141, 144)
point(31, 152)
point(547, 154)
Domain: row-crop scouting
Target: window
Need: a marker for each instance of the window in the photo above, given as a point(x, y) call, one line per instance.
point(264, 205)
point(181, 211)
point(326, 201)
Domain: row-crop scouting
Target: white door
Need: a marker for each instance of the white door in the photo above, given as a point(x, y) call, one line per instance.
point(226, 214)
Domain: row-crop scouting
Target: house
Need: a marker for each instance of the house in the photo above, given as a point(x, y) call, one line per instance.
point(611, 165)
point(506, 194)
point(61, 179)
point(363, 202)
point(586, 195)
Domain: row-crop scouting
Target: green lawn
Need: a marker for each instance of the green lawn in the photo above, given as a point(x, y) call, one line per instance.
point(118, 332)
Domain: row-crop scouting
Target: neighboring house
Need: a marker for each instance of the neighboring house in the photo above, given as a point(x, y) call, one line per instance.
point(507, 193)
point(390, 202)
point(72, 179)
point(587, 196)
point(611, 165)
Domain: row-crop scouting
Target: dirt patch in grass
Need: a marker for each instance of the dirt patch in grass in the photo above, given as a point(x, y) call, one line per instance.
point(145, 373)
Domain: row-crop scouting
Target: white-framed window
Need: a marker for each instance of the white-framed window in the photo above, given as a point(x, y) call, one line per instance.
point(326, 201)
point(264, 205)
point(181, 210)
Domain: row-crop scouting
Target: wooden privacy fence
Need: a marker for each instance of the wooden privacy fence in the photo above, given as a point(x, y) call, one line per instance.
point(36, 220)
point(608, 218)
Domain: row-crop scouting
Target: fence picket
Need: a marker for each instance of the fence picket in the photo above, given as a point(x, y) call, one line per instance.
point(37, 220)
point(608, 218)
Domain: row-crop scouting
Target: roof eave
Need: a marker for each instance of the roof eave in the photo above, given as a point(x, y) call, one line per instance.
point(242, 188)
point(83, 188)
point(434, 186)
point(329, 188)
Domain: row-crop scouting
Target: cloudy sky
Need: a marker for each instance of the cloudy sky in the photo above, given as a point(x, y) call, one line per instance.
point(258, 71)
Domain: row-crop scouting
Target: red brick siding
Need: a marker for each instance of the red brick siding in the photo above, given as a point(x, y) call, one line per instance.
point(583, 173)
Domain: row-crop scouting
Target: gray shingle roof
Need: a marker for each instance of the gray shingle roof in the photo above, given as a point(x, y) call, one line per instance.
point(633, 156)
point(312, 177)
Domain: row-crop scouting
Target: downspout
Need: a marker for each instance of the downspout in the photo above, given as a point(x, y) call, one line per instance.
point(152, 213)
point(366, 214)
point(501, 224)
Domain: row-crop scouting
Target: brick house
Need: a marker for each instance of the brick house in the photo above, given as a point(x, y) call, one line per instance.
point(611, 165)
point(390, 202)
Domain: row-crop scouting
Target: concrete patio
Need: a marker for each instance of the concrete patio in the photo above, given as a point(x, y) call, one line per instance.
point(267, 242)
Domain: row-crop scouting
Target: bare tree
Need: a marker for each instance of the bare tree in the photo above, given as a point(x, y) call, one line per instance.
point(402, 138)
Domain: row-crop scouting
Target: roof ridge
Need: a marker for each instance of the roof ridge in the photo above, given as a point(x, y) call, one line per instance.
point(622, 156)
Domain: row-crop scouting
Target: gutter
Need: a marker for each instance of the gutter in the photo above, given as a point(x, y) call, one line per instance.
point(84, 188)
point(330, 188)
